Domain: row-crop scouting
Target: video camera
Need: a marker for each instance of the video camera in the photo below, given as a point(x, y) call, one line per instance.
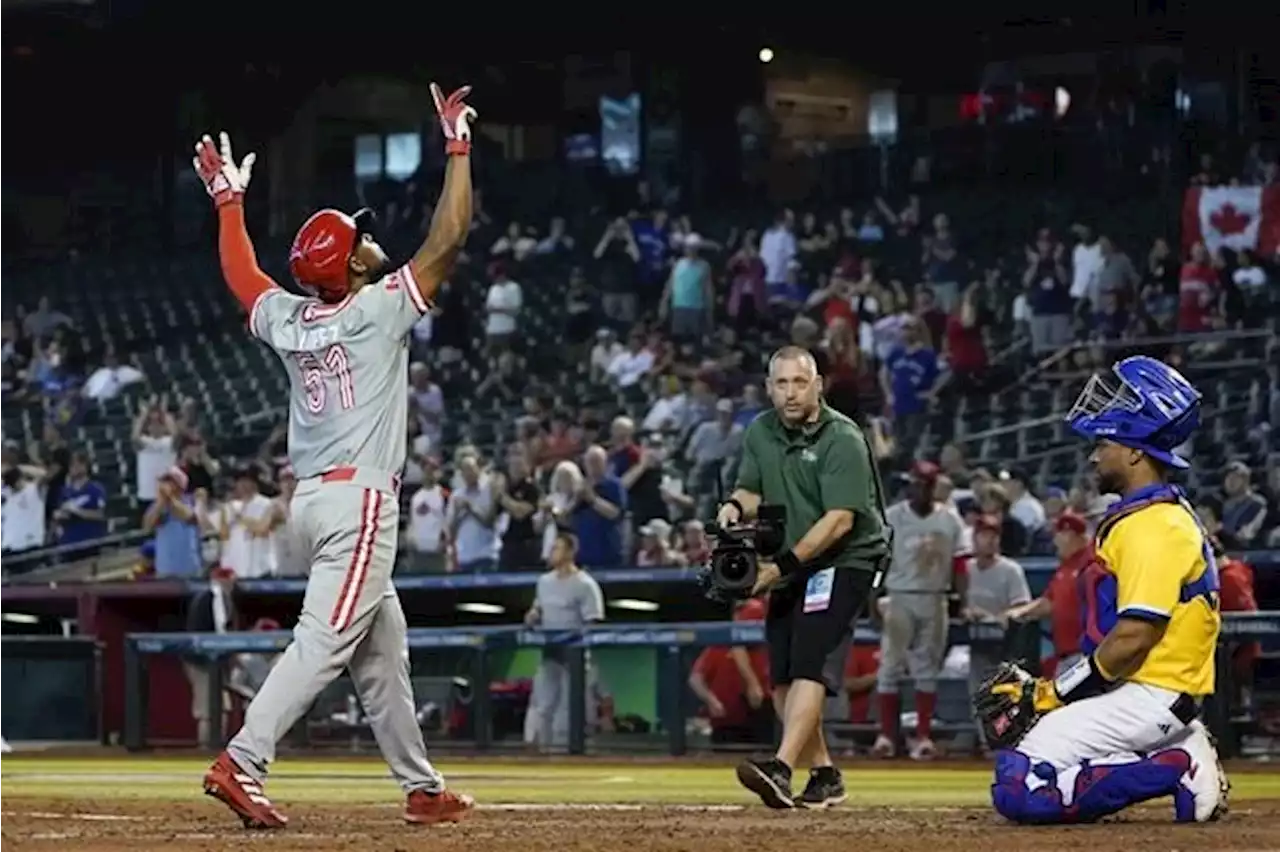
point(735, 561)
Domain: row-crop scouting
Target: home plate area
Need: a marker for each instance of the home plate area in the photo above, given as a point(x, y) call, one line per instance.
point(98, 826)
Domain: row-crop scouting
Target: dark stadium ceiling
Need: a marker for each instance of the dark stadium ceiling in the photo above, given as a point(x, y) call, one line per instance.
point(912, 39)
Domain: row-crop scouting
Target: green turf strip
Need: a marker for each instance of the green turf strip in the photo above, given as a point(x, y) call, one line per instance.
point(367, 781)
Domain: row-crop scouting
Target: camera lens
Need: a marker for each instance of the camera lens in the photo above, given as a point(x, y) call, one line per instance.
point(735, 566)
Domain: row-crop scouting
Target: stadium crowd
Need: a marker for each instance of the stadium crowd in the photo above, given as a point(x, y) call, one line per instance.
point(909, 318)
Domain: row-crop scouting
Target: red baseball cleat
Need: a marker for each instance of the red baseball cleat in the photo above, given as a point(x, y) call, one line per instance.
point(423, 808)
point(238, 790)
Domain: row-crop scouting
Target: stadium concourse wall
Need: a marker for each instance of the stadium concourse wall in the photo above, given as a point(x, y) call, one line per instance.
point(107, 613)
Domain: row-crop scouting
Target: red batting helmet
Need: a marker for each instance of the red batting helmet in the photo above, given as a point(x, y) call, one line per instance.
point(321, 253)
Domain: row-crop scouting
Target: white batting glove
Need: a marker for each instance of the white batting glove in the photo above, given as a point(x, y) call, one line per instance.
point(222, 178)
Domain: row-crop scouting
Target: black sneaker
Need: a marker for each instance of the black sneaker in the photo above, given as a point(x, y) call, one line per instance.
point(769, 779)
point(825, 788)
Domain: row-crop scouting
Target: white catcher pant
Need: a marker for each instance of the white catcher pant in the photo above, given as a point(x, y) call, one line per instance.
point(1121, 726)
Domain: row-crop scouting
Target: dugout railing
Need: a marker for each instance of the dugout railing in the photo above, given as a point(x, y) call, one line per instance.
point(673, 643)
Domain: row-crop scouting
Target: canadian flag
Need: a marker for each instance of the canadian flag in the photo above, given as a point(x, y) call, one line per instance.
point(1234, 217)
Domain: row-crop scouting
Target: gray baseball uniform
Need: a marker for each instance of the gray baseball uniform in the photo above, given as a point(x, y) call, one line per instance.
point(914, 640)
point(348, 408)
point(994, 589)
point(566, 602)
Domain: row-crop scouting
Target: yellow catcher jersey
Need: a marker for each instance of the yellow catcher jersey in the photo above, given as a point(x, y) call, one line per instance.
point(1154, 563)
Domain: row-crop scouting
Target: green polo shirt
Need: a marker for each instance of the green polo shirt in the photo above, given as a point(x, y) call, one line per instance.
point(821, 466)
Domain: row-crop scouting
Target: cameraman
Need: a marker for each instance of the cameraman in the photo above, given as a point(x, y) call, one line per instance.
point(817, 464)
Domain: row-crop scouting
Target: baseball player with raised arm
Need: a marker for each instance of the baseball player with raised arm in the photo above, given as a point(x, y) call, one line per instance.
point(1120, 726)
point(344, 348)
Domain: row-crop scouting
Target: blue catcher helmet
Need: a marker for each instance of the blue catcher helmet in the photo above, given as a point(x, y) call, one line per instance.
point(1144, 404)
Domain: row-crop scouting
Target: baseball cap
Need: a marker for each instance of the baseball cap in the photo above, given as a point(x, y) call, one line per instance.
point(1015, 474)
point(1070, 521)
point(656, 527)
point(987, 522)
point(725, 405)
point(266, 624)
point(222, 572)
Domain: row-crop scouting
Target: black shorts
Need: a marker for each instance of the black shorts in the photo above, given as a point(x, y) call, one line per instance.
point(813, 645)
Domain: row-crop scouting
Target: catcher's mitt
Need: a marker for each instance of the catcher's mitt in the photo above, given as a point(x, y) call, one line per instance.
point(1005, 718)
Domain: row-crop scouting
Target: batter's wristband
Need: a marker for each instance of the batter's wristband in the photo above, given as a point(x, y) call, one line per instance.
point(788, 563)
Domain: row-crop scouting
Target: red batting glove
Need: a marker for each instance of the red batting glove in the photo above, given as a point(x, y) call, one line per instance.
point(222, 178)
point(455, 119)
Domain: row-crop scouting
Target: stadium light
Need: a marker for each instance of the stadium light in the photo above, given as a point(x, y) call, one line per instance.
point(477, 608)
point(634, 605)
point(766, 54)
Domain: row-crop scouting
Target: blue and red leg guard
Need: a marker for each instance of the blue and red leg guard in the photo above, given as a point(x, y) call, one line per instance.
point(1099, 790)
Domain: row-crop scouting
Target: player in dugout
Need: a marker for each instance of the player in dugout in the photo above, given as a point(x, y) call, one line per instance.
point(732, 683)
point(817, 464)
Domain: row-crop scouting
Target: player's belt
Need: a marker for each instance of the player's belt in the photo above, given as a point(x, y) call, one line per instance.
point(1186, 708)
point(379, 480)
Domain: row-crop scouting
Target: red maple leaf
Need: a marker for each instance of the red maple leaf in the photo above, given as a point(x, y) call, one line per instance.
point(1227, 220)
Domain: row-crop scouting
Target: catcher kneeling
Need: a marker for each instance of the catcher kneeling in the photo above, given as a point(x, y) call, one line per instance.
point(1121, 727)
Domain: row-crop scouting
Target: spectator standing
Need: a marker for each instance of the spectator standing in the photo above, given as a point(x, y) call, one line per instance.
point(555, 510)
point(688, 298)
point(966, 345)
point(471, 519)
point(81, 508)
point(748, 300)
point(1244, 510)
point(22, 518)
point(1086, 265)
point(428, 511)
point(695, 547)
point(1117, 274)
point(155, 446)
point(1198, 287)
point(246, 526)
point(942, 264)
point(994, 500)
point(778, 249)
point(599, 513)
point(172, 519)
point(428, 404)
point(566, 598)
point(1061, 602)
point(503, 304)
point(711, 446)
point(639, 468)
point(652, 239)
point(1048, 296)
point(106, 382)
point(616, 257)
point(291, 560)
point(909, 379)
point(928, 312)
point(518, 495)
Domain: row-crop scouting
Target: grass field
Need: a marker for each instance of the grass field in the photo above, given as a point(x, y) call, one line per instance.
point(518, 782)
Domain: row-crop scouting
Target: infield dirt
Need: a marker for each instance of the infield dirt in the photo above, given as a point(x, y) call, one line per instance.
point(204, 826)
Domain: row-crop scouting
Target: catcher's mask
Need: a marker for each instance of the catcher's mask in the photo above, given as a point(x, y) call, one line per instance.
point(320, 258)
